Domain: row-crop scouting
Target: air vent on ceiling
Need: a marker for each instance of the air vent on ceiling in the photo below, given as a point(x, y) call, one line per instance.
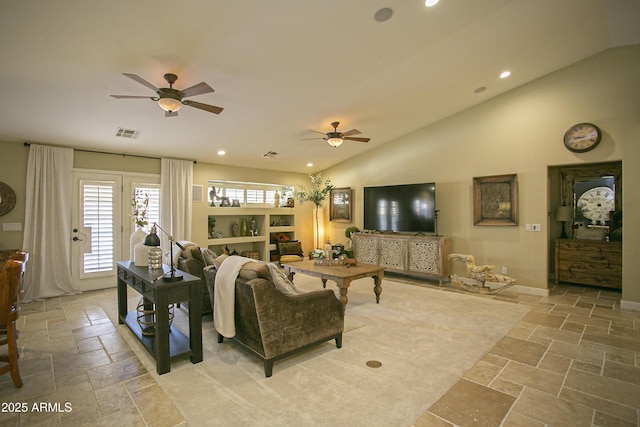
point(270, 154)
point(127, 133)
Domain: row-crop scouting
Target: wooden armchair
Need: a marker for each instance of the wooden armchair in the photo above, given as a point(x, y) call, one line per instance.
point(10, 294)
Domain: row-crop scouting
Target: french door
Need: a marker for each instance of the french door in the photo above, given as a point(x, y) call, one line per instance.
point(101, 223)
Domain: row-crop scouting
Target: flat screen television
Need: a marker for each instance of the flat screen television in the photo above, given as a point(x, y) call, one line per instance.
point(400, 208)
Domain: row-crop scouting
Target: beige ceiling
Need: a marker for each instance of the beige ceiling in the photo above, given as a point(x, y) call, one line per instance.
point(279, 68)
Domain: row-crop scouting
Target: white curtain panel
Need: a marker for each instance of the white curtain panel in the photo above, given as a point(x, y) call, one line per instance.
point(47, 223)
point(176, 180)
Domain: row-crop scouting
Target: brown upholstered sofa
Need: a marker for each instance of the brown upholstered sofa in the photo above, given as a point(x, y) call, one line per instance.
point(191, 261)
point(274, 325)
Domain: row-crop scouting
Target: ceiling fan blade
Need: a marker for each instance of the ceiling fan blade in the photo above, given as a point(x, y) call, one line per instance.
point(141, 81)
point(170, 113)
point(131, 96)
point(351, 132)
point(198, 89)
point(206, 107)
point(309, 139)
point(350, 138)
point(315, 131)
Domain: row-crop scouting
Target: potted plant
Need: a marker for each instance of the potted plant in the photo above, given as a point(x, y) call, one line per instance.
point(317, 195)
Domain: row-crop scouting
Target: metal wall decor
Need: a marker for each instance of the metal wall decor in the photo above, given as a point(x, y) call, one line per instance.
point(7, 199)
point(495, 200)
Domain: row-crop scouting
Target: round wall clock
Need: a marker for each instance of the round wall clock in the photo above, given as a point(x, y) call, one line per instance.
point(582, 137)
point(596, 203)
point(7, 199)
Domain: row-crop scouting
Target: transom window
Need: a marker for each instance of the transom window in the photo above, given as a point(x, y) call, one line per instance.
point(247, 194)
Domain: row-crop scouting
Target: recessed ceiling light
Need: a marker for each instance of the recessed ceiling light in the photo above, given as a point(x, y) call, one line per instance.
point(383, 14)
point(221, 153)
point(505, 74)
point(480, 89)
point(430, 3)
point(309, 165)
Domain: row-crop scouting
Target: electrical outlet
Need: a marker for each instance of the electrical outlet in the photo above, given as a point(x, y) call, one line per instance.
point(535, 227)
point(527, 227)
point(504, 270)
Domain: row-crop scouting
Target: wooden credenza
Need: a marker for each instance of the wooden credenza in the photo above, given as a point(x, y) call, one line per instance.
point(589, 262)
point(424, 256)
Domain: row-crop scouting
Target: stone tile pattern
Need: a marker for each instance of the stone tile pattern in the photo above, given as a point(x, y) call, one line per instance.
point(72, 354)
point(573, 360)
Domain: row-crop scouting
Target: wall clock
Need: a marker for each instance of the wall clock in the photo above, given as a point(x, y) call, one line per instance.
point(596, 203)
point(7, 199)
point(582, 137)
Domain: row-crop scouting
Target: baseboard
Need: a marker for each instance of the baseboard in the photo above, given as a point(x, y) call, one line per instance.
point(531, 291)
point(630, 305)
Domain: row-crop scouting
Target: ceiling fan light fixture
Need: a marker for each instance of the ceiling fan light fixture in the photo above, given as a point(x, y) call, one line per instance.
point(334, 141)
point(170, 104)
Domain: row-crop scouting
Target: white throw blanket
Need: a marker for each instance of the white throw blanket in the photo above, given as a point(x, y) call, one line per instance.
point(225, 295)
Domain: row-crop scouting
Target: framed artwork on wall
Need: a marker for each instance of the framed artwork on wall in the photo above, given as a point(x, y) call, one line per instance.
point(495, 200)
point(340, 205)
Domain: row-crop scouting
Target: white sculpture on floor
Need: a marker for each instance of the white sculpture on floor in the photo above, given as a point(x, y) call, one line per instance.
point(479, 275)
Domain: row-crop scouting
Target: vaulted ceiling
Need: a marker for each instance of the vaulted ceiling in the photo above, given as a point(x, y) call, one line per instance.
point(279, 69)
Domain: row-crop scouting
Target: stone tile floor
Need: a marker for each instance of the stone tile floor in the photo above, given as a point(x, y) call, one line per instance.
point(573, 360)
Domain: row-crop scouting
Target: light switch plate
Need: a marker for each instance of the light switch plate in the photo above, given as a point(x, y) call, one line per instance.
point(11, 226)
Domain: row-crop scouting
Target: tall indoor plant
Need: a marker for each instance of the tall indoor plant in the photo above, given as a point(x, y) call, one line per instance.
point(317, 194)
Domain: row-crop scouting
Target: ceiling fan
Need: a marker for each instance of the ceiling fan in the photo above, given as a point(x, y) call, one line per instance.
point(170, 99)
point(335, 138)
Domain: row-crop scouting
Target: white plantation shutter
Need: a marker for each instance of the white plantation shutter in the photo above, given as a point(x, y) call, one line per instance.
point(98, 209)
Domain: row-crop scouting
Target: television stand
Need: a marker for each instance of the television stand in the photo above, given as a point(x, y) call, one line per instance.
point(422, 256)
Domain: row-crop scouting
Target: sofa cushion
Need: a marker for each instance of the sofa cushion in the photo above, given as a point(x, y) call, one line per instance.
point(254, 270)
point(218, 261)
point(193, 252)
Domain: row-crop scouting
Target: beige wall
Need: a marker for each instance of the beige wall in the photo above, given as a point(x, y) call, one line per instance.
point(518, 132)
point(13, 171)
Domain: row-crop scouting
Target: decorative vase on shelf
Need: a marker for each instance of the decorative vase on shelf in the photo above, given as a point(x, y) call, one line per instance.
point(135, 238)
point(244, 227)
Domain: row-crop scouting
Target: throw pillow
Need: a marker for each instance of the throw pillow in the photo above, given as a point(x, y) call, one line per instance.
point(282, 282)
point(290, 248)
point(209, 256)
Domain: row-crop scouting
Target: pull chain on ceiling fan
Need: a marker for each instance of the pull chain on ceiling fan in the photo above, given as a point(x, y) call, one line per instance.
point(170, 99)
point(335, 138)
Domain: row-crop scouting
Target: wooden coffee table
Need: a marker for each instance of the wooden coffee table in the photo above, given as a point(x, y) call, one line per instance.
point(341, 274)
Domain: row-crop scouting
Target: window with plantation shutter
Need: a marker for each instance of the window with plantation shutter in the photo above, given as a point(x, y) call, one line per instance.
point(249, 194)
point(98, 212)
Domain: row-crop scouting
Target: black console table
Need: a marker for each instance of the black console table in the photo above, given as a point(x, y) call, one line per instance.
point(168, 342)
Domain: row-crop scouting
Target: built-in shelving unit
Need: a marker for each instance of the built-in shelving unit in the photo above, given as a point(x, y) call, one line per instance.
point(268, 222)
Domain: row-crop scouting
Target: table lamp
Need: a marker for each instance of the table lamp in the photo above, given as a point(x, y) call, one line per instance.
point(153, 240)
point(563, 214)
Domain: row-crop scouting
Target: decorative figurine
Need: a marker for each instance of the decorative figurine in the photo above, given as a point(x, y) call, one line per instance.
point(479, 275)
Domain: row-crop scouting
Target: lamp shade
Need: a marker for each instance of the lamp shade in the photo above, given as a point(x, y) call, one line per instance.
point(334, 142)
point(563, 213)
point(152, 238)
point(170, 104)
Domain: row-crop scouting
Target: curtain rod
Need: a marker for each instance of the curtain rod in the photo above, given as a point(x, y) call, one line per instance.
point(26, 144)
